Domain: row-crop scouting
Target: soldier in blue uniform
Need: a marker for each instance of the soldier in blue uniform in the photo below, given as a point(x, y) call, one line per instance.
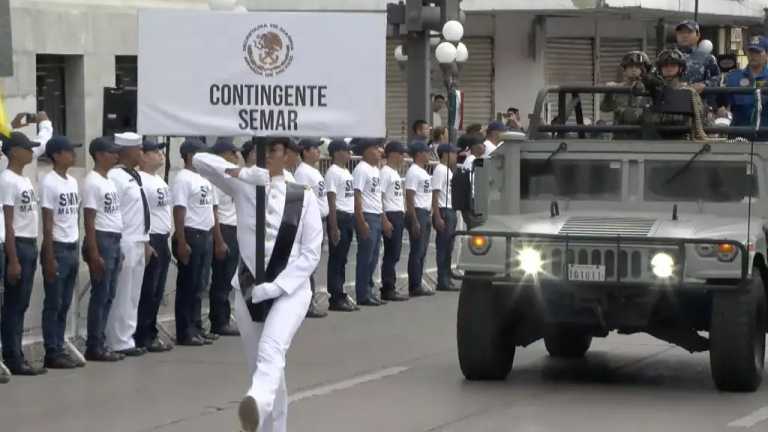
point(701, 69)
point(755, 75)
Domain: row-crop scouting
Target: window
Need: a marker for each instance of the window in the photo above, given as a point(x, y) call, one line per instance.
point(51, 94)
point(572, 179)
point(705, 181)
point(126, 72)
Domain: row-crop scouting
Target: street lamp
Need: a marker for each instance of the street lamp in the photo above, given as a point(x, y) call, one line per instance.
point(452, 54)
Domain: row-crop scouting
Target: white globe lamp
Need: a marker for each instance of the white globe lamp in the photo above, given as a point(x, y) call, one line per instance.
point(241, 9)
point(399, 54)
point(453, 31)
point(462, 54)
point(445, 52)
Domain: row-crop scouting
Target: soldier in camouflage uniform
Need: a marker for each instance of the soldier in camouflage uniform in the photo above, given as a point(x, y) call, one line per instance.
point(701, 67)
point(670, 67)
point(628, 109)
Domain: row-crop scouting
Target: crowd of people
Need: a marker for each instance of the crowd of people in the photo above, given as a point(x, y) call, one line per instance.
point(134, 223)
point(689, 65)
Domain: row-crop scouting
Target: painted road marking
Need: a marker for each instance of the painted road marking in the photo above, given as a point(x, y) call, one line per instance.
point(346, 384)
point(752, 419)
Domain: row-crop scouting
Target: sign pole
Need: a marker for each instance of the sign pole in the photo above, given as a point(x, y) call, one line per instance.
point(260, 147)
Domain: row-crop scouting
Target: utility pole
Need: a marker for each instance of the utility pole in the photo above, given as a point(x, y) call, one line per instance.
point(6, 43)
point(419, 17)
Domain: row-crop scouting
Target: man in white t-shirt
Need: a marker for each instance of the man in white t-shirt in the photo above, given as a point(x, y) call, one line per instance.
point(393, 204)
point(223, 270)
point(194, 218)
point(493, 136)
point(443, 214)
point(341, 224)
point(307, 174)
point(418, 203)
point(134, 245)
point(366, 181)
point(60, 202)
point(156, 272)
point(19, 201)
point(103, 225)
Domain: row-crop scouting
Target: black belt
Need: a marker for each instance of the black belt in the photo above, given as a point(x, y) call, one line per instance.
point(281, 252)
point(195, 231)
point(26, 240)
point(109, 234)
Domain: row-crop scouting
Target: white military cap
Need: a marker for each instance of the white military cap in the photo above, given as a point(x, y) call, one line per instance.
point(128, 139)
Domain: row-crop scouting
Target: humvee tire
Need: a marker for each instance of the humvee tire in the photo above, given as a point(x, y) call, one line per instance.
point(567, 342)
point(737, 337)
point(484, 351)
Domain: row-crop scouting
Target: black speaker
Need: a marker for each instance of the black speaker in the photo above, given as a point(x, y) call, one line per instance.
point(119, 110)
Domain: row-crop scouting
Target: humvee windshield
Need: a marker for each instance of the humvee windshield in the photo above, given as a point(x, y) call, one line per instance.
point(594, 180)
point(705, 181)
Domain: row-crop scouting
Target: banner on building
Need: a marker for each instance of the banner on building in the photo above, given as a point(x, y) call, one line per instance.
point(261, 73)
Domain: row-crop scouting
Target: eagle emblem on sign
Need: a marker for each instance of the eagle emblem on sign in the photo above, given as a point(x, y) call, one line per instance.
point(268, 50)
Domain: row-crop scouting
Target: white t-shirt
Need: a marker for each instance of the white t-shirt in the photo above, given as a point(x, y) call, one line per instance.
point(131, 205)
point(393, 190)
point(20, 194)
point(441, 181)
point(489, 147)
point(436, 119)
point(339, 181)
point(418, 180)
point(468, 161)
point(159, 200)
point(100, 194)
point(61, 196)
point(226, 208)
point(191, 191)
point(367, 180)
point(310, 176)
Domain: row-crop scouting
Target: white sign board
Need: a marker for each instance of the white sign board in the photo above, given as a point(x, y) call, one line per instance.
point(261, 73)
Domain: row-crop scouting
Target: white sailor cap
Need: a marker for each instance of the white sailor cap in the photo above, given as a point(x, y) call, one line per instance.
point(128, 139)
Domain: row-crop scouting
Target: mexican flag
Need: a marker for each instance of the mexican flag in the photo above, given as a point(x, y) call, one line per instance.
point(456, 109)
point(5, 124)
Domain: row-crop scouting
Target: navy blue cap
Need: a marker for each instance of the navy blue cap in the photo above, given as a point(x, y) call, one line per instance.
point(689, 24)
point(223, 145)
point(336, 146)
point(395, 147)
point(418, 147)
point(147, 145)
point(758, 43)
point(191, 146)
point(360, 145)
point(102, 144)
point(18, 139)
point(58, 144)
point(446, 148)
point(308, 143)
point(496, 126)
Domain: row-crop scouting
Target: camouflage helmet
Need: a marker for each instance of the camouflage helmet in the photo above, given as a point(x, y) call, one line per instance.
point(637, 58)
point(671, 56)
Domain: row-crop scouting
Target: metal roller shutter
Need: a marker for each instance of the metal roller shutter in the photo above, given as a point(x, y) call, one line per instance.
point(476, 80)
point(569, 61)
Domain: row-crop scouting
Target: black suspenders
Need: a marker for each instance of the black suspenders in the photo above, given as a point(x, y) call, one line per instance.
point(281, 252)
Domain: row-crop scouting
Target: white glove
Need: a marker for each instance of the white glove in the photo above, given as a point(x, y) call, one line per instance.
point(265, 291)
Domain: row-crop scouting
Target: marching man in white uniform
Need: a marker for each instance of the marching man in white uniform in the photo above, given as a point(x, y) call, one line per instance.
point(264, 408)
point(134, 244)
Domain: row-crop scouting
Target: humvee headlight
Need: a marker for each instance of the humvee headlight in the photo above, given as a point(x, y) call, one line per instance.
point(663, 265)
point(479, 244)
point(530, 261)
point(726, 252)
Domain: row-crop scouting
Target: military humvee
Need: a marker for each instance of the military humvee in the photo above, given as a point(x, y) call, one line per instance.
point(584, 236)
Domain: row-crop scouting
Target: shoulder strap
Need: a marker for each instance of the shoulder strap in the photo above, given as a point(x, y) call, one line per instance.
point(281, 252)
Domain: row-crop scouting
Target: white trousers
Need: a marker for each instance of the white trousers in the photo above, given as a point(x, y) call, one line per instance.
point(266, 345)
point(122, 318)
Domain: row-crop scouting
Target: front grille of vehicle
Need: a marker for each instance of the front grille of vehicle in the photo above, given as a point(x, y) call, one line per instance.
point(627, 263)
point(597, 226)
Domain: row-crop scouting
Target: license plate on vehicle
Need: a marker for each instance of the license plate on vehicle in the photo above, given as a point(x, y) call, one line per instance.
point(586, 273)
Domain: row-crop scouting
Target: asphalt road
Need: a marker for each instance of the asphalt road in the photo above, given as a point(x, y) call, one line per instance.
point(392, 368)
